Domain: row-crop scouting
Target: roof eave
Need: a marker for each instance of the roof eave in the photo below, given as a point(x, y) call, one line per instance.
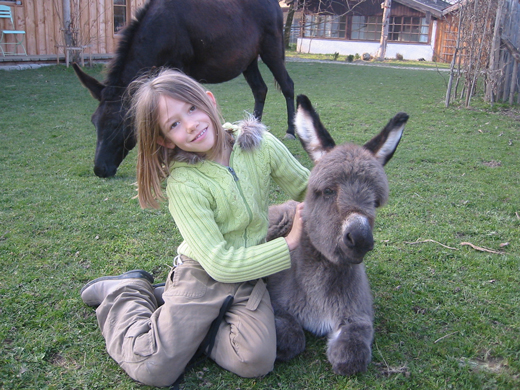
point(454, 7)
point(421, 7)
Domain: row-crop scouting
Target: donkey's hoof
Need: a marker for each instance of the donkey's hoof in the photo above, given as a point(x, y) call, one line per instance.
point(350, 368)
point(285, 351)
point(289, 136)
point(350, 357)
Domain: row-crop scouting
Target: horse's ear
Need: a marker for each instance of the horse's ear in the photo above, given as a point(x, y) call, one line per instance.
point(315, 139)
point(93, 85)
point(385, 143)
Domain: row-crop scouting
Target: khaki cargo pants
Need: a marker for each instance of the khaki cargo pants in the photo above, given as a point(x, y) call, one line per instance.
point(154, 345)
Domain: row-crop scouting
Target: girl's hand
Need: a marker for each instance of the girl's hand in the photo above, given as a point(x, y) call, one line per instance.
point(293, 238)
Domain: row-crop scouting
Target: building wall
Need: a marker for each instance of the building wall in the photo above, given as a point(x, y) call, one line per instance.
point(42, 19)
point(446, 38)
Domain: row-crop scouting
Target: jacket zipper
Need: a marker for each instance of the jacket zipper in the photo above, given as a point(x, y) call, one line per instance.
point(232, 171)
point(235, 177)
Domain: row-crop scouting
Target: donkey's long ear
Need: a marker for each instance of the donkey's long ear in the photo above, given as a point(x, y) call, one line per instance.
point(93, 85)
point(385, 143)
point(315, 139)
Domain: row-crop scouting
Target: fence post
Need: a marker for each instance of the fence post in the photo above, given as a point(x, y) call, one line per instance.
point(494, 56)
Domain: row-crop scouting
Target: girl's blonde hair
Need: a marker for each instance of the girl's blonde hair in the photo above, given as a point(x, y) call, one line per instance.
point(153, 160)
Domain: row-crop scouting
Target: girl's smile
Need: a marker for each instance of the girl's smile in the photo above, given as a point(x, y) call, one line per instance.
point(185, 126)
point(201, 134)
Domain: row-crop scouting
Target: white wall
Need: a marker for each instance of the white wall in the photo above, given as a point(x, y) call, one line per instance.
point(410, 51)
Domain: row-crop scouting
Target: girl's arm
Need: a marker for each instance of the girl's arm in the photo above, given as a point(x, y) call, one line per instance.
point(204, 241)
point(286, 170)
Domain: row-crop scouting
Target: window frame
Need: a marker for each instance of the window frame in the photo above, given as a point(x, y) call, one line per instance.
point(417, 27)
point(402, 29)
point(126, 7)
point(368, 25)
point(325, 26)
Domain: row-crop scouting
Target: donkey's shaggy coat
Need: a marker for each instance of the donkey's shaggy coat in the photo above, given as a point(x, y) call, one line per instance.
point(326, 291)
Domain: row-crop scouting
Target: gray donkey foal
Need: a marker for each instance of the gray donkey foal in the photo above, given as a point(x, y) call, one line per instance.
point(326, 291)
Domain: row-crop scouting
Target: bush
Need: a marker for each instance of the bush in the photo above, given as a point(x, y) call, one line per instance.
point(399, 57)
point(350, 58)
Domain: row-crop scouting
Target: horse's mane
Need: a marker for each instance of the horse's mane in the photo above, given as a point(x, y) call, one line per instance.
point(116, 66)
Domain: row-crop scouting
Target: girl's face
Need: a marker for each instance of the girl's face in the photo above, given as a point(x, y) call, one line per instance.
point(185, 126)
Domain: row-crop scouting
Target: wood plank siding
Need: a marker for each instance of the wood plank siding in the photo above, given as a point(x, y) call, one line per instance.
point(42, 21)
point(446, 38)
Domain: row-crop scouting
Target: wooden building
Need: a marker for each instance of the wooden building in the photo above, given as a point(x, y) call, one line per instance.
point(354, 27)
point(94, 26)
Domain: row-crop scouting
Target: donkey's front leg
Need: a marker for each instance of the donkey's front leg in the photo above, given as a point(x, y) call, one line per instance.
point(290, 338)
point(350, 346)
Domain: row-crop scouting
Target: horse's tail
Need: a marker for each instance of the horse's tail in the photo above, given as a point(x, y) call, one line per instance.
point(276, 84)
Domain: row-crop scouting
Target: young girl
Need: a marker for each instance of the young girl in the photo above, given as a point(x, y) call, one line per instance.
point(217, 187)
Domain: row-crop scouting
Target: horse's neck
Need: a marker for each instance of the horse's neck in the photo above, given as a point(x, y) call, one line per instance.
point(121, 75)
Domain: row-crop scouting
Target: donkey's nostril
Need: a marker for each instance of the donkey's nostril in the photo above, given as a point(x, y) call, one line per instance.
point(349, 241)
point(361, 240)
point(357, 234)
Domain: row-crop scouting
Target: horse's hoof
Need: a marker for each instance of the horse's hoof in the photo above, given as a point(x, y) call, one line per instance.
point(289, 136)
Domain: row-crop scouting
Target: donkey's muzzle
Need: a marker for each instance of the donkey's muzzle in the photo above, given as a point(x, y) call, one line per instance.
point(357, 237)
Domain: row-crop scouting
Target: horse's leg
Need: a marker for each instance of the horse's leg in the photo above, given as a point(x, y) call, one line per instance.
point(350, 346)
point(257, 85)
point(276, 65)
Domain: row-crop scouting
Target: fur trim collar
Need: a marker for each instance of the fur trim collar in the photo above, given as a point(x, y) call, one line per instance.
point(250, 134)
point(247, 133)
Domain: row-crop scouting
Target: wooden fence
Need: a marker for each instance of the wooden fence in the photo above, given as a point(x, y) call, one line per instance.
point(504, 70)
point(486, 48)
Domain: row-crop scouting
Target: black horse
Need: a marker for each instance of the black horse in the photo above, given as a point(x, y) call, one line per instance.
point(211, 40)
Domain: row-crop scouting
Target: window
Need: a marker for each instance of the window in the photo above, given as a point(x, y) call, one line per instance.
point(400, 29)
point(325, 26)
point(408, 29)
point(366, 28)
point(120, 11)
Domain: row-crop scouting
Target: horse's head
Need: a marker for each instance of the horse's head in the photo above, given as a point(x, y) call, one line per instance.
point(115, 137)
point(346, 185)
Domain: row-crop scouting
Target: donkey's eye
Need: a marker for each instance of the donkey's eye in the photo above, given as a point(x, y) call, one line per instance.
point(328, 192)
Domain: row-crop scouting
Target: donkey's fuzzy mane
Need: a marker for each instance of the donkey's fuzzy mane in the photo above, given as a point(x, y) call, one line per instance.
point(116, 66)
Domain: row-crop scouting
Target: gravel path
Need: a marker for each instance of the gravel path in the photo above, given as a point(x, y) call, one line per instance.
point(288, 59)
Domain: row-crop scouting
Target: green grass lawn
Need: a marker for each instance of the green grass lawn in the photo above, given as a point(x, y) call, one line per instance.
point(447, 316)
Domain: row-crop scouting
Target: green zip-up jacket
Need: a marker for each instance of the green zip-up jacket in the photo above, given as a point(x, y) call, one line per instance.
point(222, 212)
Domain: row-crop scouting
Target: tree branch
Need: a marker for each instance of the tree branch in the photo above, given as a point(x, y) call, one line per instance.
point(512, 49)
